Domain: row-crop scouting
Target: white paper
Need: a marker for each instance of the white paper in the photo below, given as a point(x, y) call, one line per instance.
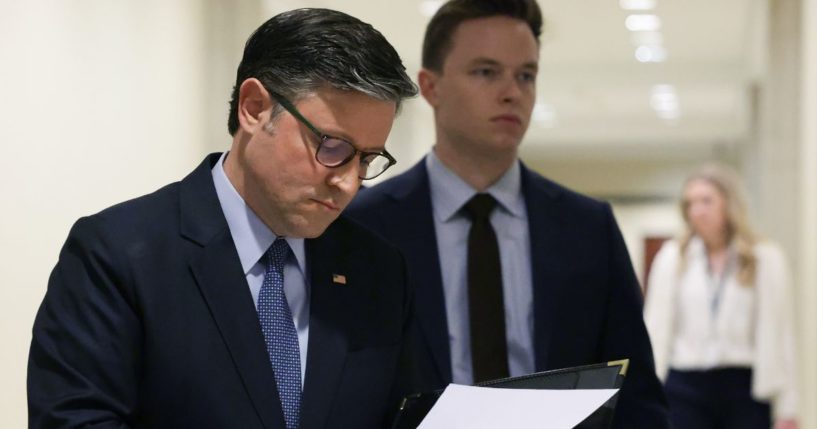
point(484, 407)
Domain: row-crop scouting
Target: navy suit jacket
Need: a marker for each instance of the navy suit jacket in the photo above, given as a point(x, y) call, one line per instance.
point(148, 322)
point(587, 301)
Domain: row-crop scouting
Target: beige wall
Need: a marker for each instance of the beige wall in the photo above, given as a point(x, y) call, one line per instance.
point(780, 167)
point(807, 227)
point(100, 101)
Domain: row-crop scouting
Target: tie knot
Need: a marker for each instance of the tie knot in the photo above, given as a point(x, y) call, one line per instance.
point(480, 206)
point(277, 253)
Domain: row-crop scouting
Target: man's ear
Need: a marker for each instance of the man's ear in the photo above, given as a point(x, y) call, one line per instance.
point(254, 106)
point(427, 80)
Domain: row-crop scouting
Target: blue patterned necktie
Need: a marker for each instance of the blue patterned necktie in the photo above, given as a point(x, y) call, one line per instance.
point(280, 334)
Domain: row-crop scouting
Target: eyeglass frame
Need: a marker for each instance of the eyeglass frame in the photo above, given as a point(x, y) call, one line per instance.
point(289, 107)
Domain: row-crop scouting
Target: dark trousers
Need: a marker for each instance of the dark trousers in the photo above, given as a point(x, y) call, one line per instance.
point(715, 399)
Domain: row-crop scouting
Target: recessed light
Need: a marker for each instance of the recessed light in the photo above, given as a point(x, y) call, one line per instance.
point(664, 101)
point(664, 104)
point(643, 22)
point(637, 4)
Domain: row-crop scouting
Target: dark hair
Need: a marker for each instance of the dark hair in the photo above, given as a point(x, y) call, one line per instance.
point(297, 52)
point(437, 41)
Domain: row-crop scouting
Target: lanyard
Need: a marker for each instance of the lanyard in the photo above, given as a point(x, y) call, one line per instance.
point(718, 283)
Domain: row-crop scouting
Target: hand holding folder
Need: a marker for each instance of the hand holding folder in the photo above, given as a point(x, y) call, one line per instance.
point(600, 376)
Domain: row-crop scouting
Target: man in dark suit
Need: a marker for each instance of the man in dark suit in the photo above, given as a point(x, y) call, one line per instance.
point(237, 297)
point(512, 272)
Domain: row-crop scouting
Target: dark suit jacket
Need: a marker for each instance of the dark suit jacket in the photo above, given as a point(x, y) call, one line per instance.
point(587, 302)
point(148, 322)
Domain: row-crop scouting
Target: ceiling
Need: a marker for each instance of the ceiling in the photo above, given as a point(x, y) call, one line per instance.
point(594, 93)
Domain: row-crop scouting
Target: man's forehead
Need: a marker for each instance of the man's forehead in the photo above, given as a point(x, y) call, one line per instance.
point(497, 38)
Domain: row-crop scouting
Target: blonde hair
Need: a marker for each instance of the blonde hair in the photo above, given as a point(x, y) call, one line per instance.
point(738, 231)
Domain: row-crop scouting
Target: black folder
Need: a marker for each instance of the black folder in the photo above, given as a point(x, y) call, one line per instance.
point(608, 375)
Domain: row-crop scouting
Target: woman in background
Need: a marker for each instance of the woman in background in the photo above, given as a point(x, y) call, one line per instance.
point(719, 313)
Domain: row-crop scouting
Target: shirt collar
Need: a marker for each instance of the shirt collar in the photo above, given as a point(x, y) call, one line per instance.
point(251, 236)
point(449, 192)
point(697, 247)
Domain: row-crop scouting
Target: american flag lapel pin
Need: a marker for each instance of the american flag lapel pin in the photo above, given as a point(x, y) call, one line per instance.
point(339, 279)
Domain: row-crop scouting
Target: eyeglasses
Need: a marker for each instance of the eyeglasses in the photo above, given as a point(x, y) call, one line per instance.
point(334, 152)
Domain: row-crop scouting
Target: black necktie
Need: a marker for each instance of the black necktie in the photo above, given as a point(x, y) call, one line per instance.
point(486, 310)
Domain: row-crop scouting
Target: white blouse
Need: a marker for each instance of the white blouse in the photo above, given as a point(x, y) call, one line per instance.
point(715, 316)
point(749, 327)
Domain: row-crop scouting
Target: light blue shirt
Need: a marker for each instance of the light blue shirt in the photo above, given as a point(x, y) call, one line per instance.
point(252, 238)
point(510, 222)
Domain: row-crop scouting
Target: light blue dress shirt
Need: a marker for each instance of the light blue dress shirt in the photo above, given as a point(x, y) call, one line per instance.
point(510, 222)
point(252, 238)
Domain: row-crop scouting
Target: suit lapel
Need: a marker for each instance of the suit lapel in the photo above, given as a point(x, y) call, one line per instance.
point(220, 277)
point(543, 224)
point(221, 280)
point(418, 240)
point(329, 311)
